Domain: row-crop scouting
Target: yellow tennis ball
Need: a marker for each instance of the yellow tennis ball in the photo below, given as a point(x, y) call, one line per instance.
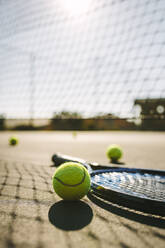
point(13, 141)
point(71, 181)
point(114, 152)
point(74, 134)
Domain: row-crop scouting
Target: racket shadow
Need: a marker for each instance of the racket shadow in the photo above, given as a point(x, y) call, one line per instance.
point(130, 214)
point(70, 216)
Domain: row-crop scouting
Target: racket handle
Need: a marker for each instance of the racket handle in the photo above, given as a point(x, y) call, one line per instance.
point(59, 159)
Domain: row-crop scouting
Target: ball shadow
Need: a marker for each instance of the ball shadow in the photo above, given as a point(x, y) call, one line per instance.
point(70, 216)
point(116, 162)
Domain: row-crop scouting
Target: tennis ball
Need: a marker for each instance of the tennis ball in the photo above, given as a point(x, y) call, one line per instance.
point(74, 134)
point(114, 152)
point(13, 141)
point(71, 181)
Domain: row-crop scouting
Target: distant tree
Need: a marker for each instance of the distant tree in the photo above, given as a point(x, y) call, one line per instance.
point(67, 115)
point(2, 122)
point(106, 116)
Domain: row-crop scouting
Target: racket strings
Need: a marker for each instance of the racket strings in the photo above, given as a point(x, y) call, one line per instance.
point(142, 185)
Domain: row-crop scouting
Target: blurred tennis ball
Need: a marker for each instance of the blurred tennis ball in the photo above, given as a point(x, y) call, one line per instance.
point(74, 134)
point(71, 181)
point(13, 141)
point(114, 152)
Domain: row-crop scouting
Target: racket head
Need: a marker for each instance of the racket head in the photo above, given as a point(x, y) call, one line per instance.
point(141, 189)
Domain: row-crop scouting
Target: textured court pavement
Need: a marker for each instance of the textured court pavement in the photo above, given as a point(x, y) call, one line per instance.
point(31, 215)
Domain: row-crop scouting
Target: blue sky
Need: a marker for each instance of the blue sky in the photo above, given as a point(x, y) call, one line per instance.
point(96, 60)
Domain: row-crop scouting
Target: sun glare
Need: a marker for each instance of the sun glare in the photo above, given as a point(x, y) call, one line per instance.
point(76, 7)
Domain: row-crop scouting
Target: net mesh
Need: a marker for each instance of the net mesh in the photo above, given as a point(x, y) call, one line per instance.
point(90, 57)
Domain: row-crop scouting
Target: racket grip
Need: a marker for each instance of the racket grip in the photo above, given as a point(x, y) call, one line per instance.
point(59, 159)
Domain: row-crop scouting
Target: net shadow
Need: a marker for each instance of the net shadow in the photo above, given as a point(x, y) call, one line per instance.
point(24, 193)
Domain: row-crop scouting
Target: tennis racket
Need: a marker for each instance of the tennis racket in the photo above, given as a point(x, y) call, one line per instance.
point(141, 189)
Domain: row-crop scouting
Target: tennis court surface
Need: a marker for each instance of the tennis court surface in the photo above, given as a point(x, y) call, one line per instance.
point(31, 215)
